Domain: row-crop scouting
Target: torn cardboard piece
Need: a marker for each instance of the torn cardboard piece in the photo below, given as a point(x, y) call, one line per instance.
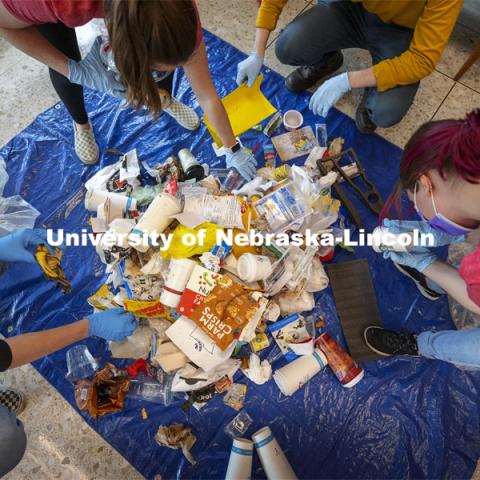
point(177, 436)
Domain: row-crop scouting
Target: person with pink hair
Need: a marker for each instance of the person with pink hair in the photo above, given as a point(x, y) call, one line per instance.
point(440, 173)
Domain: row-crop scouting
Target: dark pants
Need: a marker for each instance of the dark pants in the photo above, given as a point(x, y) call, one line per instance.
point(315, 35)
point(13, 441)
point(65, 39)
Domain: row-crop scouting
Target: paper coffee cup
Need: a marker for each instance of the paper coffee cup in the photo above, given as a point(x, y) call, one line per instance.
point(179, 273)
point(252, 268)
point(296, 374)
point(157, 217)
point(274, 461)
point(94, 198)
point(292, 119)
point(240, 462)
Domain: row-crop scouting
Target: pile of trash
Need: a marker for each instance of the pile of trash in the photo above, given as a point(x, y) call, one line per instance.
point(215, 269)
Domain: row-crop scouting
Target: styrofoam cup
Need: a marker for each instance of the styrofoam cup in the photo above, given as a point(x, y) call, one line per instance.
point(296, 374)
point(240, 462)
point(252, 268)
point(274, 461)
point(292, 119)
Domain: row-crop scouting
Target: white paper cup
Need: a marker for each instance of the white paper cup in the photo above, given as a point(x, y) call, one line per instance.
point(386, 241)
point(179, 273)
point(274, 461)
point(252, 268)
point(94, 198)
point(157, 217)
point(292, 119)
point(240, 462)
point(296, 374)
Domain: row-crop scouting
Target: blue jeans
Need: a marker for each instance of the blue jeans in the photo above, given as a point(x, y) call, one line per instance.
point(315, 36)
point(13, 441)
point(461, 347)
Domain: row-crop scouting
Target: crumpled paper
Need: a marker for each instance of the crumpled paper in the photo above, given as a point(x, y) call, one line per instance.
point(177, 436)
point(258, 372)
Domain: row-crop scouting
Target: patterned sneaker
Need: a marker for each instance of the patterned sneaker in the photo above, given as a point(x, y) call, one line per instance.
point(86, 147)
point(12, 399)
point(184, 115)
point(388, 342)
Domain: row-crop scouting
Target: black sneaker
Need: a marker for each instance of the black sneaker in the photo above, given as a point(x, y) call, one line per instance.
point(12, 399)
point(389, 342)
point(305, 77)
point(420, 280)
point(362, 119)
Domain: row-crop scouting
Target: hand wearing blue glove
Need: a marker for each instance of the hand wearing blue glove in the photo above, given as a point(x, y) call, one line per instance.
point(407, 226)
point(21, 245)
point(328, 94)
point(419, 260)
point(91, 72)
point(243, 161)
point(112, 325)
point(249, 69)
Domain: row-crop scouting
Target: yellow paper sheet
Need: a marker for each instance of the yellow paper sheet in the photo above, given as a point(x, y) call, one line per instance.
point(246, 107)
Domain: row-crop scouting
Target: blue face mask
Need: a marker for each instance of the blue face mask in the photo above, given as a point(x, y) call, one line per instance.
point(440, 222)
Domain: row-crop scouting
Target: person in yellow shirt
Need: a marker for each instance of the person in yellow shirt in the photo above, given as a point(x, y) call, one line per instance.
point(405, 38)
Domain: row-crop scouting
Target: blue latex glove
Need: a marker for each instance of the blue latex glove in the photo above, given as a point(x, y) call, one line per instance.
point(249, 69)
point(407, 226)
point(243, 161)
point(21, 245)
point(112, 325)
point(419, 260)
point(328, 94)
point(92, 73)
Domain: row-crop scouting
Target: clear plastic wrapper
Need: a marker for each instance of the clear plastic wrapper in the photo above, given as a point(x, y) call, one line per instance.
point(282, 208)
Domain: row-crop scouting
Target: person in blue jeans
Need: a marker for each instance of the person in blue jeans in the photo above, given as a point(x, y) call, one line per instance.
point(440, 172)
point(404, 38)
point(113, 324)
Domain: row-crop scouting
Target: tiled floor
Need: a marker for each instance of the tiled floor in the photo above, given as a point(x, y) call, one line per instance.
point(61, 445)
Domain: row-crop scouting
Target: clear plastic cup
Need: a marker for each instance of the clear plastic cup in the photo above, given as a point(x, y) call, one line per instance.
point(80, 363)
point(149, 390)
point(239, 425)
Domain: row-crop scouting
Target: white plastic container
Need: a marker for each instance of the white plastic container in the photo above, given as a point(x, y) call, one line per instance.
point(386, 241)
point(295, 375)
point(240, 462)
point(292, 119)
point(179, 272)
point(94, 198)
point(252, 268)
point(274, 461)
point(157, 217)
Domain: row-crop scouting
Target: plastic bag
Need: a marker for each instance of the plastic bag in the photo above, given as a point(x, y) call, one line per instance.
point(15, 214)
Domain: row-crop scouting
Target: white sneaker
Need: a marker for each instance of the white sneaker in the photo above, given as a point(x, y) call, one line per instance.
point(86, 147)
point(183, 114)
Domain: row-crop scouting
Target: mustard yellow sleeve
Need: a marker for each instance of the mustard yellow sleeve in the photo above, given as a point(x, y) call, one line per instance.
point(430, 36)
point(268, 13)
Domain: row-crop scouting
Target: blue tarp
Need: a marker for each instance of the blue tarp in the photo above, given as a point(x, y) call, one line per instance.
point(409, 418)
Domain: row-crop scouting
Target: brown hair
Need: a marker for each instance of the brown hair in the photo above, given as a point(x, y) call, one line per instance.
point(145, 32)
